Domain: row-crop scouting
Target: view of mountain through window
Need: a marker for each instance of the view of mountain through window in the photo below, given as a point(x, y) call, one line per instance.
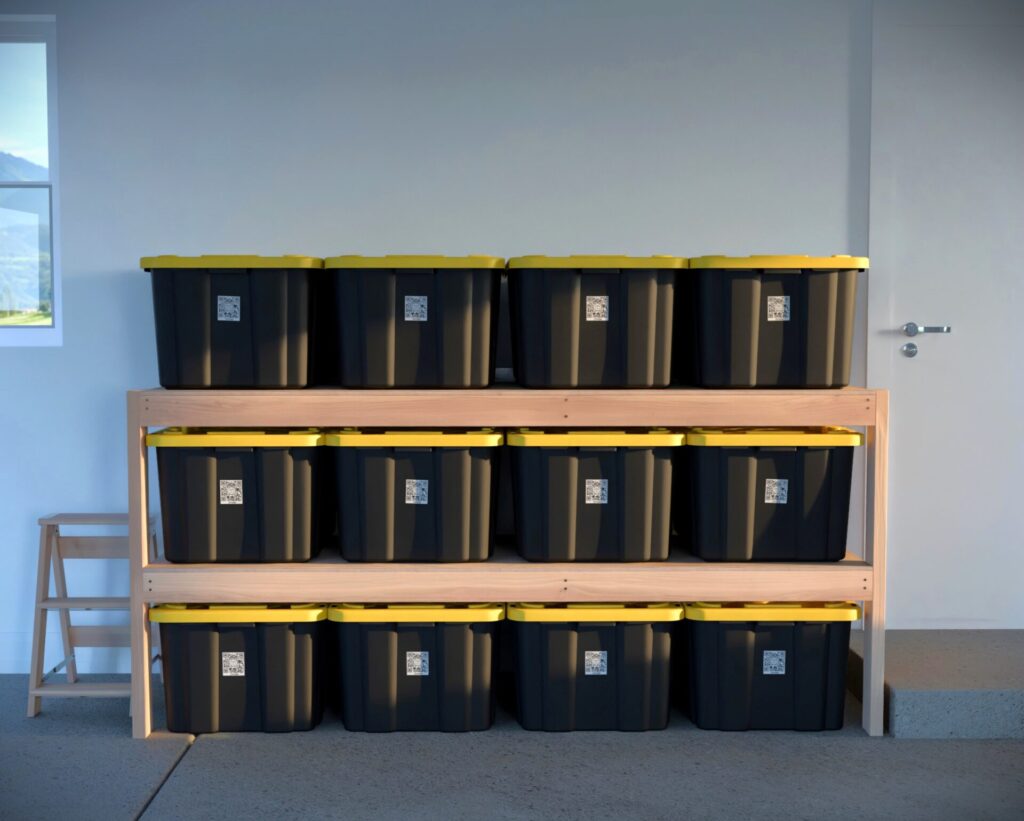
point(26, 273)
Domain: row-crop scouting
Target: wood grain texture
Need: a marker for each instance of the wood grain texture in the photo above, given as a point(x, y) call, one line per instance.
point(506, 407)
point(876, 521)
point(334, 580)
point(138, 560)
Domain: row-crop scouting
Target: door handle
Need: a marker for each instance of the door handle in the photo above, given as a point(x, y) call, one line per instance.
point(913, 329)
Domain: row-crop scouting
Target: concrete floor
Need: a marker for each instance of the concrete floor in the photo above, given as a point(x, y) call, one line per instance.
point(77, 760)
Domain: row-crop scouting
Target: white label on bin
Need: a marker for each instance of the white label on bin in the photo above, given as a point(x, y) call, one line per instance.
point(417, 663)
point(778, 309)
point(231, 491)
point(776, 491)
point(596, 491)
point(774, 663)
point(416, 308)
point(597, 309)
point(417, 491)
point(595, 662)
point(232, 664)
point(229, 309)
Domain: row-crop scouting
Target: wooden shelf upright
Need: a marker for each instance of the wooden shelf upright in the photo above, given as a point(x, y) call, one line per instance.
point(330, 579)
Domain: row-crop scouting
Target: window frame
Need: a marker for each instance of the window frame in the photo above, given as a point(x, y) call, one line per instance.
point(41, 28)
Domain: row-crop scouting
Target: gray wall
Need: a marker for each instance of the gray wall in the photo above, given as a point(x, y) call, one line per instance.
point(452, 127)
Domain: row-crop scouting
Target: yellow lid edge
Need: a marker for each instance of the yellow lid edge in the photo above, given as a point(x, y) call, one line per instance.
point(654, 263)
point(229, 261)
point(840, 262)
point(773, 612)
point(413, 439)
point(755, 438)
point(182, 438)
point(590, 439)
point(353, 261)
point(237, 614)
point(405, 614)
point(560, 613)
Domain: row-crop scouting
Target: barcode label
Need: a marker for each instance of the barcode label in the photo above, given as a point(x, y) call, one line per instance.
point(774, 663)
point(417, 491)
point(231, 491)
point(416, 309)
point(595, 492)
point(232, 664)
point(417, 663)
point(776, 491)
point(778, 309)
point(597, 309)
point(229, 309)
point(595, 662)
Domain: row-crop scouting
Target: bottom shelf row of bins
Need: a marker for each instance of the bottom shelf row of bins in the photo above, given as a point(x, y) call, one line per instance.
point(565, 667)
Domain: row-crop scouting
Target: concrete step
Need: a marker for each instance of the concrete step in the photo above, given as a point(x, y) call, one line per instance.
point(950, 683)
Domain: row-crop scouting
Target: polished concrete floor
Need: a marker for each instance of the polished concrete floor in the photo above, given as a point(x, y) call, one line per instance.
point(76, 760)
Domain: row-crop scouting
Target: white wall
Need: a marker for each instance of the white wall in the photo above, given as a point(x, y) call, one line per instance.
point(452, 127)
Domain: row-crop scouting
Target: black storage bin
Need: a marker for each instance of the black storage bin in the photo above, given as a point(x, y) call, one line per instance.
point(232, 321)
point(238, 496)
point(417, 667)
point(236, 668)
point(598, 496)
point(773, 321)
point(413, 321)
point(767, 666)
point(415, 496)
point(593, 667)
point(766, 495)
point(593, 321)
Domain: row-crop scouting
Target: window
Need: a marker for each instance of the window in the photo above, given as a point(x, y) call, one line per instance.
point(30, 298)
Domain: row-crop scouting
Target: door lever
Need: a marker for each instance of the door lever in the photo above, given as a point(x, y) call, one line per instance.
point(913, 329)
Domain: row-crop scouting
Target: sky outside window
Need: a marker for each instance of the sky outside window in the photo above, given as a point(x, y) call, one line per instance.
point(23, 112)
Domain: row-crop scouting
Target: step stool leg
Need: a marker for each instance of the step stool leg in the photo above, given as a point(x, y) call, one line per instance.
point(35, 676)
point(60, 584)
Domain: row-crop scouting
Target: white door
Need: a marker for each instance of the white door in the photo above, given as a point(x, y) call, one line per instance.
point(947, 247)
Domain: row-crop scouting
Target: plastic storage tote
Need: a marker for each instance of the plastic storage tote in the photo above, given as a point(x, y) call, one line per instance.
point(415, 496)
point(772, 321)
point(233, 668)
point(597, 496)
point(593, 666)
point(417, 667)
point(768, 494)
point(237, 496)
point(767, 666)
point(413, 321)
point(232, 321)
point(593, 321)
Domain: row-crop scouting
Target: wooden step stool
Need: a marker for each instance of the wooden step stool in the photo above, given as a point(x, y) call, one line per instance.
point(54, 548)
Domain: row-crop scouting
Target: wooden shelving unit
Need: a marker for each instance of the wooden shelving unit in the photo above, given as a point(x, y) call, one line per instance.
point(507, 578)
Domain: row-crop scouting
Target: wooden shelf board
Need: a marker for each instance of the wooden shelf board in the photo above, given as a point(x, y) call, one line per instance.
point(331, 579)
point(507, 407)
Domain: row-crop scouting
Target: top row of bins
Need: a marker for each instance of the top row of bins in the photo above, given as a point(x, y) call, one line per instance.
point(432, 321)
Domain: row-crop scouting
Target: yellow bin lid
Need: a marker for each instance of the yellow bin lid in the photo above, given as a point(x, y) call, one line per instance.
point(413, 439)
point(232, 261)
point(587, 261)
point(556, 613)
point(236, 613)
point(205, 438)
point(773, 611)
point(406, 261)
point(655, 437)
point(418, 613)
point(839, 262)
point(774, 437)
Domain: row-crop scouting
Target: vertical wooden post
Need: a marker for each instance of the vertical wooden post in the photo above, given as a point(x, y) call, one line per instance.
point(875, 531)
point(60, 587)
point(138, 556)
point(35, 677)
